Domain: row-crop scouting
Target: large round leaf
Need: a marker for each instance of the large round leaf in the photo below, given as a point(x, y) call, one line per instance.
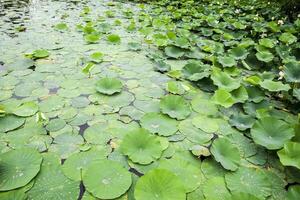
point(226, 153)
point(224, 80)
point(26, 109)
point(227, 61)
point(195, 71)
point(10, 122)
point(141, 146)
point(207, 124)
point(18, 167)
point(274, 86)
point(160, 124)
point(271, 133)
point(107, 179)
point(292, 72)
point(159, 184)
point(174, 52)
point(264, 56)
point(238, 53)
point(215, 189)
point(175, 106)
point(290, 154)
point(109, 86)
point(293, 192)
point(249, 180)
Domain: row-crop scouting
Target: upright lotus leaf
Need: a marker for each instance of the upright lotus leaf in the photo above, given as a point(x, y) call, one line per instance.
point(159, 184)
point(97, 57)
point(253, 181)
point(238, 53)
point(61, 27)
point(241, 121)
point(287, 38)
point(240, 95)
point(38, 54)
point(292, 72)
point(175, 87)
point(293, 192)
point(290, 154)
point(175, 106)
point(174, 52)
point(18, 167)
point(26, 109)
point(141, 146)
point(106, 179)
point(274, 86)
point(92, 38)
point(114, 39)
point(109, 86)
point(215, 189)
point(189, 174)
point(226, 153)
point(195, 71)
point(227, 61)
point(271, 133)
point(10, 122)
point(162, 66)
point(224, 81)
point(207, 124)
point(264, 56)
point(266, 42)
point(88, 68)
point(223, 97)
point(159, 123)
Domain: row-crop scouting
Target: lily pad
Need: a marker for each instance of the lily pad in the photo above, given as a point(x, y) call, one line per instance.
point(215, 189)
point(174, 52)
point(223, 97)
point(195, 71)
point(106, 179)
point(97, 57)
point(207, 124)
point(274, 86)
point(160, 124)
point(175, 106)
point(109, 86)
point(26, 109)
point(114, 39)
point(271, 133)
point(38, 54)
point(241, 121)
point(92, 38)
point(141, 146)
point(224, 80)
point(159, 184)
point(290, 154)
point(238, 53)
point(226, 153)
point(10, 122)
point(18, 167)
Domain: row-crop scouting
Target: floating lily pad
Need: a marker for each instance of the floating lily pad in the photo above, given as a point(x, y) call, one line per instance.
point(109, 86)
point(106, 179)
point(38, 54)
point(141, 146)
point(175, 106)
point(92, 38)
point(10, 122)
point(244, 196)
point(215, 188)
point(207, 124)
point(241, 121)
point(159, 184)
point(174, 52)
point(271, 133)
point(226, 153)
point(114, 39)
point(160, 124)
point(26, 109)
point(290, 154)
point(18, 167)
point(61, 27)
point(97, 57)
point(292, 72)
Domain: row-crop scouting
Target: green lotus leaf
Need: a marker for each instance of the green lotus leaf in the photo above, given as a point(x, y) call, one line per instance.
point(195, 71)
point(238, 53)
point(10, 122)
point(175, 106)
point(56, 125)
point(109, 86)
point(266, 42)
point(97, 57)
point(88, 68)
point(241, 121)
point(226, 153)
point(240, 95)
point(174, 52)
point(244, 196)
point(175, 87)
point(141, 146)
point(296, 93)
point(254, 80)
point(207, 124)
point(292, 72)
point(26, 109)
point(40, 53)
point(287, 38)
point(223, 97)
point(215, 189)
point(18, 167)
point(293, 192)
point(159, 184)
point(160, 124)
point(114, 39)
point(92, 38)
point(290, 154)
point(274, 86)
point(51, 178)
point(61, 27)
point(271, 133)
point(189, 174)
point(134, 46)
point(162, 66)
point(227, 61)
point(249, 180)
point(106, 179)
point(264, 56)
point(224, 81)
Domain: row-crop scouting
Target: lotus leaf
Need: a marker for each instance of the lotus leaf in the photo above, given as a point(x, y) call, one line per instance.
point(18, 167)
point(109, 86)
point(224, 80)
point(293, 192)
point(114, 39)
point(223, 97)
point(215, 189)
point(160, 124)
point(141, 146)
point(97, 57)
point(175, 106)
point(61, 27)
point(106, 179)
point(159, 184)
point(290, 154)
point(266, 42)
point(174, 52)
point(274, 86)
point(238, 53)
point(227, 61)
point(241, 121)
point(26, 109)
point(287, 38)
point(292, 72)
point(244, 196)
point(92, 38)
point(10, 122)
point(271, 133)
point(264, 56)
point(38, 54)
point(195, 71)
point(226, 153)
point(207, 124)
point(175, 87)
